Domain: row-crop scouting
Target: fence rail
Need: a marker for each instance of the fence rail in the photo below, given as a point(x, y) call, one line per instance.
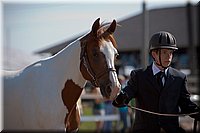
point(114, 117)
point(94, 118)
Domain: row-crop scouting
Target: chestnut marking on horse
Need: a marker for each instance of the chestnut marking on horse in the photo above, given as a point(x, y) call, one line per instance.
point(70, 95)
point(43, 96)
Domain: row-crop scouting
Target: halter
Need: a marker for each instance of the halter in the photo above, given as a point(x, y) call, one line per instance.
point(90, 71)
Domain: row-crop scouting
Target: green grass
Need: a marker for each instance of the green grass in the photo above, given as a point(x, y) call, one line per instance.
point(87, 126)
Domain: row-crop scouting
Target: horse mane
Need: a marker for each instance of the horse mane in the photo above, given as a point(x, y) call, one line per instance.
point(103, 28)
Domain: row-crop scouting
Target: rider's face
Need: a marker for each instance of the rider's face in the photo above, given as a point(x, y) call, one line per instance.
point(165, 56)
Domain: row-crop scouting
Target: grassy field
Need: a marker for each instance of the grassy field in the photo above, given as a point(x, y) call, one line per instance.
point(87, 126)
point(91, 126)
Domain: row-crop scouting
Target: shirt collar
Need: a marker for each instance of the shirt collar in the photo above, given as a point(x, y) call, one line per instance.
point(156, 69)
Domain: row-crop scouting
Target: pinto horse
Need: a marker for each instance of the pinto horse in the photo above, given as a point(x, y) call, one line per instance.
point(43, 96)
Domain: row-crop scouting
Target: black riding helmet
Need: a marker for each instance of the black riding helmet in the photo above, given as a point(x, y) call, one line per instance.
point(162, 40)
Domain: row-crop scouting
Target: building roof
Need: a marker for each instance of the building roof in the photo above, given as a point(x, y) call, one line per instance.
point(130, 36)
point(174, 20)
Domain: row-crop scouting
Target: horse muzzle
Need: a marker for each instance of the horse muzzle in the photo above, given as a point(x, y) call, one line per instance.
point(106, 90)
point(115, 91)
point(109, 92)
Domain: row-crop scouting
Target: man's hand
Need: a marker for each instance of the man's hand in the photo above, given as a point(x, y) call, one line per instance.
point(196, 116)
point(121, 99)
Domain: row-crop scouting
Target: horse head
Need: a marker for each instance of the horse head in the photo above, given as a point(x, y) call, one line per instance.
point(98, 54)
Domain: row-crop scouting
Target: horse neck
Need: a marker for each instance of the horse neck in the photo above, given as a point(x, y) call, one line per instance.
point(68, 61)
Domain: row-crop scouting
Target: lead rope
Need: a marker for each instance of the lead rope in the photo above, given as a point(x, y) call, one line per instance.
point(164, 114)
point(160, 114)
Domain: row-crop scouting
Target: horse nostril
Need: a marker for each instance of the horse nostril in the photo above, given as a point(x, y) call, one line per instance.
point(119, 86)
point(106, 90)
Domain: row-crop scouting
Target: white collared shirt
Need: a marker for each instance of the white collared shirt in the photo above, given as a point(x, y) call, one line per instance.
point(157, 70)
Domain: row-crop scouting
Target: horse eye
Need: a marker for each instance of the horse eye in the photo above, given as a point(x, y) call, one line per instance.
point(95, 54)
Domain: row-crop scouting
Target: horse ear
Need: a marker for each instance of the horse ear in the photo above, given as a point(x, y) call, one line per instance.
point(95, 26)
point(112, 27)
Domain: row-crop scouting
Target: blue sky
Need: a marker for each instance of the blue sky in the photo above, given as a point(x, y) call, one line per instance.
point(34, 25)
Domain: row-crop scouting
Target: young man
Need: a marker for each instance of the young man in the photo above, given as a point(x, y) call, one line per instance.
point(158, 88)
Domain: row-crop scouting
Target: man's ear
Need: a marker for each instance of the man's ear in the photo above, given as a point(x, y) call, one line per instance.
point(154, 54)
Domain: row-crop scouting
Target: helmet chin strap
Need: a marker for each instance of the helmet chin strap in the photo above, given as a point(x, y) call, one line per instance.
point(161, 61)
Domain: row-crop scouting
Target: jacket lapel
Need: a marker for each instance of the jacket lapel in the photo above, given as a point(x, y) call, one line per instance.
point(170, 79)
point(152, 79)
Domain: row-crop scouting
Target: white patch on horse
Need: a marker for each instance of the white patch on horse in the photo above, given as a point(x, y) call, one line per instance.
point(32, 96)
point(110, 51)
point(72, 66)
point(38, 64)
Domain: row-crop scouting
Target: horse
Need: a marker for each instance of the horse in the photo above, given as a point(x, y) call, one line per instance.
point(43, 96)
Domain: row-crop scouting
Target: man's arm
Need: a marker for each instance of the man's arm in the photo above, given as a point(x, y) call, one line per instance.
point(128, 92)
point(186, 105)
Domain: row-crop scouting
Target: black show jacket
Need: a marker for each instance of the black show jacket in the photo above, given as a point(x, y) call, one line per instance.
point(172, 99)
